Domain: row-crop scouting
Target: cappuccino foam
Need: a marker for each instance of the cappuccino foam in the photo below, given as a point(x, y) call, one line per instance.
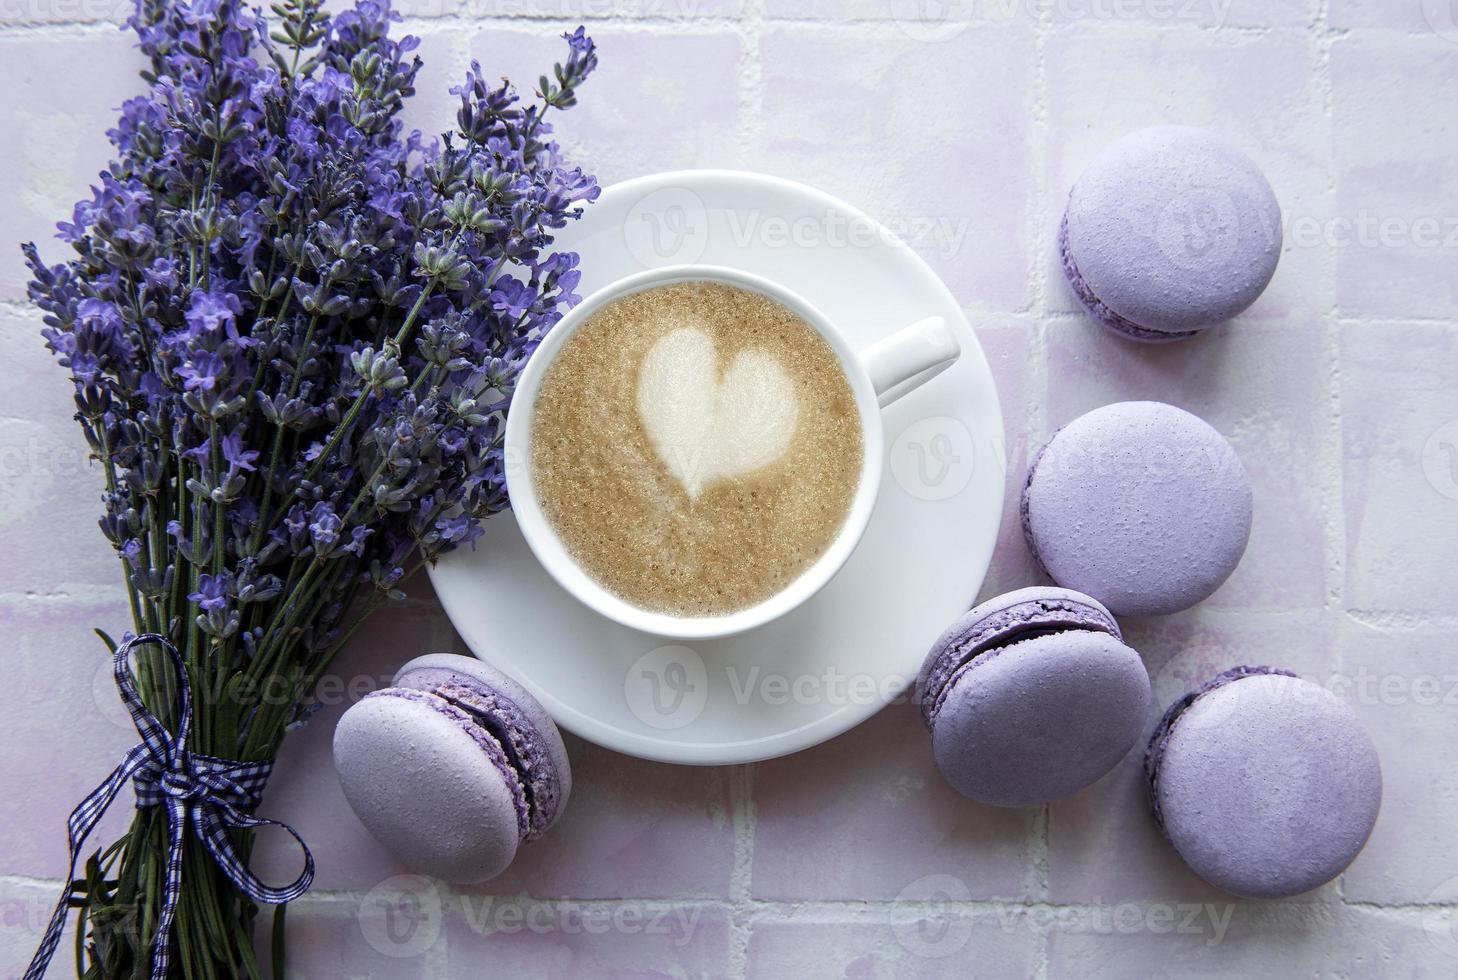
point(696, 447)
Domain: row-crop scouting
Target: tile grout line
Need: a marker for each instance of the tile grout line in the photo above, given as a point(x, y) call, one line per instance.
point(1387, 620)
point(1333, 494)
point(1334, 490)
point(1040, 846)
point(741, 880)
point(749, 130)
point(1034, 421)
point(1040, 850)
point(750, 88)
point(856, 908)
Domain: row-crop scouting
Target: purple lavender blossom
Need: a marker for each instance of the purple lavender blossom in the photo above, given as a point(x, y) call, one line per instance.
point(210, 311)
point(293, 326)
point(212, 592)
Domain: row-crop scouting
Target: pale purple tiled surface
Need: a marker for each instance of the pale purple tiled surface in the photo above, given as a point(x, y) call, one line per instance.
point(1404, 684)
point(1395, 258)
point(50, 489)
point(1270, 941)
point(909, 945)
point(1400, 465)
point(567, 940)
point(1339, 388)
point(60, 95)
point(863, 818)
point(855, 125)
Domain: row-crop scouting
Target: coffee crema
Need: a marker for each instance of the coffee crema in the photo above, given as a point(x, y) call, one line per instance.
point(696, 447)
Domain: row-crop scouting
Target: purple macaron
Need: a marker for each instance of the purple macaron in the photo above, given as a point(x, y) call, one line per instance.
point(1141, 505)
point(1266, 784)
point(1032, 696)
point(1168, 231)
point(453, 767)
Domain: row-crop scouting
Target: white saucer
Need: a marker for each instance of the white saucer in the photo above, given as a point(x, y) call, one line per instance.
point(837, 659)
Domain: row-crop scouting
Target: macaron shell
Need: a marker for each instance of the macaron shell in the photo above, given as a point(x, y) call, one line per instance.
point(999, 620)
point(423, 787)
point(1141, 505)
point(1174, 229)
point(446, 668)
point(1100, 311)
point(1043, 718)
point(1268, 786)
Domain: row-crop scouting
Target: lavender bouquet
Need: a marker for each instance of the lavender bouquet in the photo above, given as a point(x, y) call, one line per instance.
point(293, 330)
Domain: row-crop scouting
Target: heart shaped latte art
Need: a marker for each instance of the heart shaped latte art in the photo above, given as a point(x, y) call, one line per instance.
point(705, 427)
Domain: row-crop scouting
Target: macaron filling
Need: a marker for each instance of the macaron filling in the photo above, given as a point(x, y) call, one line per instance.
point(493, 748)
point(512, 726)
point(1098, 309)
point(503, 721)
point(1154, 753)
point(969, 645)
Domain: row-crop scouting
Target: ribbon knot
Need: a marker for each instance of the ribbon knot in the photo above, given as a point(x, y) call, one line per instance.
point(181, 786)
point(213, 795)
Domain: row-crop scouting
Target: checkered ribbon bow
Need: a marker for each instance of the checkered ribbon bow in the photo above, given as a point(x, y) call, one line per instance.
point(215, 794)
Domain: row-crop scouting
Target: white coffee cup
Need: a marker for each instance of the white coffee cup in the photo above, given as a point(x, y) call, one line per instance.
point(878, 375)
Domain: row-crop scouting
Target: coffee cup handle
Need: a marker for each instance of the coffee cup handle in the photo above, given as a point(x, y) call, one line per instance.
point(910, 357)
